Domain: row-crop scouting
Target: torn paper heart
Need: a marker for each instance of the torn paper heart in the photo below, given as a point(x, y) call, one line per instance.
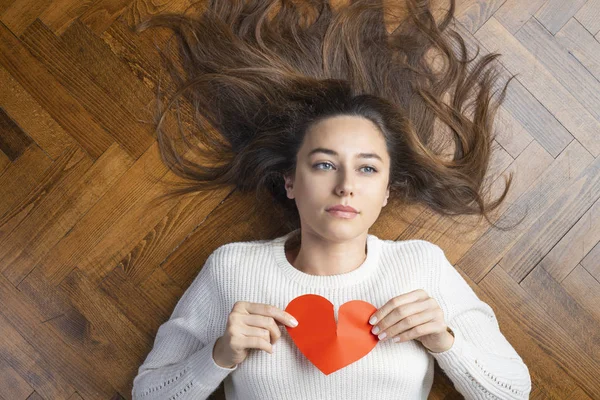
point(329, 346)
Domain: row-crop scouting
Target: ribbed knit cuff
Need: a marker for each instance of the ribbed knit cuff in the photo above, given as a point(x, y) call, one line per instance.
point(451, 358)
point(205, 370)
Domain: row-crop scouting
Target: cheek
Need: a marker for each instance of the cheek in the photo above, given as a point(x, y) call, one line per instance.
point(308, 195)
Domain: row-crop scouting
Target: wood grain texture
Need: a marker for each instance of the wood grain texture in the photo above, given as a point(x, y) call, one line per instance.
point(91, 266)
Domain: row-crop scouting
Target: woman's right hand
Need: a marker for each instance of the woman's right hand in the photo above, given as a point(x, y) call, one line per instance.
point(249, 326)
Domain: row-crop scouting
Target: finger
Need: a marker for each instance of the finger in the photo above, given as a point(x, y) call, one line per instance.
point(258, 332)
point(254, 342)
point(409, 323)
point(273, 312)
point(399, 313)
point(418, 331)
point(397, 301)
point(260, 321)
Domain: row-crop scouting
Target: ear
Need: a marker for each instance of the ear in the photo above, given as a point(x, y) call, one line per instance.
point(289, 186)
point(387, 194)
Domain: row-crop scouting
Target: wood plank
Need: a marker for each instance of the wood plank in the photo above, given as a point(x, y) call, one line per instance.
point(165, 292)
point(60, 368)
point(522, 106)
point(230, 221)
point(543, 85)
point(13, 141)
point(574, 245)
point(106, 70)
point(142, 240)
point(19, 178)
point(514, 13)
point(581, 45)
point(539, 122)
point(77, 396)
point(59, 209)
point(579, 394)
point(555, 13)
point(4, 4)
point(62, 13)
point(106, 336)
point(121, 125)
point(491, 247)
point(102, 13)
point(72, 164)
point(32, 117)
point(537, 393)
point(49, 301)
point(582, 287)
point(527, 168)
point(21, 208)
point(512, 135)
point(553, 223)
point(4, 163)
point(21, 13)
point(139, 10)
point(472, 14)
point(567, 70)
point(556, 342)
point(431, 226)
point(134, 234)
point(46, 90)
point(98, 271)
point(23, 358)
point(113, 206)
point(138, 52)
point(591, 262)
point(546, 374)
point(134, 302)
point(12, 384)
point(589, 16)
point(564, 310)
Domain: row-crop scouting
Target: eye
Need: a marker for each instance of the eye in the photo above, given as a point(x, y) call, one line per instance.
point(326, 163)
point(322, 163)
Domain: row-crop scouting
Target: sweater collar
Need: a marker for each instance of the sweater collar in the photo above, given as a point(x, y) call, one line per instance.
point(353, 277)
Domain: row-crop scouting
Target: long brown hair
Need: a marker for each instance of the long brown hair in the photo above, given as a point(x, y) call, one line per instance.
point(257, 74)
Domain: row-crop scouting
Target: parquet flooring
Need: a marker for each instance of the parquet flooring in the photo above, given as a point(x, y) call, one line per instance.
point(90, 266)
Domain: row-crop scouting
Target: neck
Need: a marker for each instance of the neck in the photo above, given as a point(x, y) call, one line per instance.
point(314, 255)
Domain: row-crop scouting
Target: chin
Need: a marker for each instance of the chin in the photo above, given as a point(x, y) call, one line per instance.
point(342, 232)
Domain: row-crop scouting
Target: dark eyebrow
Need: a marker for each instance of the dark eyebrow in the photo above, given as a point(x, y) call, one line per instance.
point(334, 153)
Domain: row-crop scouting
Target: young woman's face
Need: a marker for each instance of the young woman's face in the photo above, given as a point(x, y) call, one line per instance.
point(323, 179)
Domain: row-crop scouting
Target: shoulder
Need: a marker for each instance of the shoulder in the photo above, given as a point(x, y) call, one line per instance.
point(417, 247)
point(426, 255)
point(230, 256)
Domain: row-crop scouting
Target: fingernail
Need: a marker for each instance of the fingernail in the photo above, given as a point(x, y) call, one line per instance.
point(293, 322)
point(372, 320)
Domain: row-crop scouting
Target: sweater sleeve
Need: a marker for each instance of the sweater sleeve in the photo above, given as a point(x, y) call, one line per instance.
point(180, 364)
point(481, 362)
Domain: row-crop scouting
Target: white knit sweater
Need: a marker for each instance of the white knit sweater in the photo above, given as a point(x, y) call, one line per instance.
point(481, 363)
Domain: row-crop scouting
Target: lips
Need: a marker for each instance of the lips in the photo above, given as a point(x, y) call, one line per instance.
point(342, 208)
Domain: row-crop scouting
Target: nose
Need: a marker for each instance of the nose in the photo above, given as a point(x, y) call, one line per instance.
point(346, 186)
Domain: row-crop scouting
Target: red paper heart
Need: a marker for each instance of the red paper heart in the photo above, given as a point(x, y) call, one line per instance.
point(327, 346)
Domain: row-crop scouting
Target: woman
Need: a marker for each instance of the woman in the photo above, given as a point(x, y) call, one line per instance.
point(330, 112)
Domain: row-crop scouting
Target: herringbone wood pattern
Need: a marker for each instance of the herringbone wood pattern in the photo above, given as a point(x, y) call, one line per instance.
point(91, 268)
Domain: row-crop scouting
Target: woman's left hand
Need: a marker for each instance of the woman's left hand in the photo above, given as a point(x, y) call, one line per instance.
point(414, 315)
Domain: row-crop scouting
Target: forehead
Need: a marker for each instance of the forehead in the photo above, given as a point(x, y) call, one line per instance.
point(345, 135)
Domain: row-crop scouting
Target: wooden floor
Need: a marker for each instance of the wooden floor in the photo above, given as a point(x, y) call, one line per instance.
point(91, 267)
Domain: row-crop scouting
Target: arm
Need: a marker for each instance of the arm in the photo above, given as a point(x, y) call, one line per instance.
point(481, 360)
point(181, 362)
